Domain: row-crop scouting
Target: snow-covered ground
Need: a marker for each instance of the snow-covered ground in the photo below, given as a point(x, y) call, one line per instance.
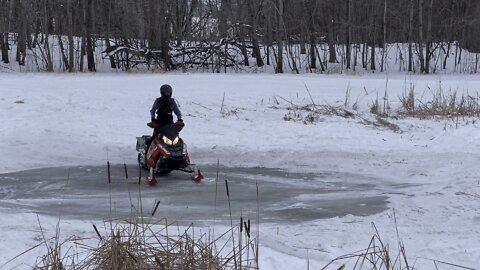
point(56, 120)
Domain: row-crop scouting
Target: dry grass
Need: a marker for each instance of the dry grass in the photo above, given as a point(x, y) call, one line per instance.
point(376, 256)
point(54, 259)
point(226, 112)
point(311, 114)
point(137, 245)
point(133, 246)
point(441, 104)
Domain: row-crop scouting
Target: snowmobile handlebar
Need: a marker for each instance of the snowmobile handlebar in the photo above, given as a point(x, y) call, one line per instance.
point(153, 124)
point(179, 125)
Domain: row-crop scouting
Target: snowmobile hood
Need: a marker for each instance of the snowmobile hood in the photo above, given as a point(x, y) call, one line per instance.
point(170, 130)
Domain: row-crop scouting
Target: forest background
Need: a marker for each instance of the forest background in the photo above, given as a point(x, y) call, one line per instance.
point(281, 36)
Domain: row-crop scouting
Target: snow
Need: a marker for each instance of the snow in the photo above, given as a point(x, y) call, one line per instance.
point(429, 171)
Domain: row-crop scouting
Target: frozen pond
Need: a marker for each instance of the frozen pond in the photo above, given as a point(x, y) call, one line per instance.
point(84, 193)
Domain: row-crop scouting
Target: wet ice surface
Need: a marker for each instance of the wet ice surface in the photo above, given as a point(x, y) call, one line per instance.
point(283, 197)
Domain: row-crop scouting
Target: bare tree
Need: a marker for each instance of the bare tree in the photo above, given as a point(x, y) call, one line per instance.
point(384, 41)
point(312, 7)
point(20, 13)
point(348, 34)
point(420, 36)
point(254, 10)
point(88, 36)
point(373, 35)
point(410, 37)
point(280, 36)
point(215, 34)
point(331, 30)
point(4, 30)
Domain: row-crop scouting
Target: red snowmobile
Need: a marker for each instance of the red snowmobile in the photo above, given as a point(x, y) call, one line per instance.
point(165, 153)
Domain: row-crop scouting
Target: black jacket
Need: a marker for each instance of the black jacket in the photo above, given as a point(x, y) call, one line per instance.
point(162, 110)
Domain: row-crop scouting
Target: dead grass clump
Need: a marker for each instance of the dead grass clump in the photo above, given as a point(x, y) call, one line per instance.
point(382, 122)
point(407, 101)
point(375, 107)
point(440, 104)
point(54, 259)
point(152, 246)
point(140, 247)
point(377, 256)
point(312, 113)
point(226, 112)
point(381, 108)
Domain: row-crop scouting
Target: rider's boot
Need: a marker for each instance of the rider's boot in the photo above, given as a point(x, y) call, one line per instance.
point(151, 178)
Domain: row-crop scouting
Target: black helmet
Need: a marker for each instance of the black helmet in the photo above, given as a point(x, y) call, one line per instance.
point(166, 90)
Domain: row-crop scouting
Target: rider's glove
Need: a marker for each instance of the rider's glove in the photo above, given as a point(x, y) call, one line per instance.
point(179, 123)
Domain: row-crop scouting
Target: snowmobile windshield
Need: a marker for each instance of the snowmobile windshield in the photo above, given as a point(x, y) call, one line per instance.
point(170, 130)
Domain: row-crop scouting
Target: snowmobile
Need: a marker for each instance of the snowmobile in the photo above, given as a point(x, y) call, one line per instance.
point(165, 153)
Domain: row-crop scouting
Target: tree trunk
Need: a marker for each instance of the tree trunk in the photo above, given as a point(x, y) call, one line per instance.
point(81, 62)
point(420, 36)
point(373, 35)
point(165, 36)
point(268, 36)
point(253, 33)
point(62, 52)
point(372, 58)
point(384, 49)
point(364, 55)
point(322, 66)
point(225, 9)
point(257, 54)
point(428, 46)
point(38, 26)
point(20, 11)
point(348, 33)
point(71, 46)
point(107, 34)
point(313, 45)
point(312, 7)
point(3, 44)
point(243, 49)
point(447, 54)
point(410, 38)
point(89, 39)
point(280, 36)
point(4, 47)
point(82, 54)
point(303, 47)
point(154, 42)
point(331, 41)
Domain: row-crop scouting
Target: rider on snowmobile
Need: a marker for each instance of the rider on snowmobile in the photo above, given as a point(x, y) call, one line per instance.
point(162, 115)
point(163, 107)
point(162, 112)
point(173, 154)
